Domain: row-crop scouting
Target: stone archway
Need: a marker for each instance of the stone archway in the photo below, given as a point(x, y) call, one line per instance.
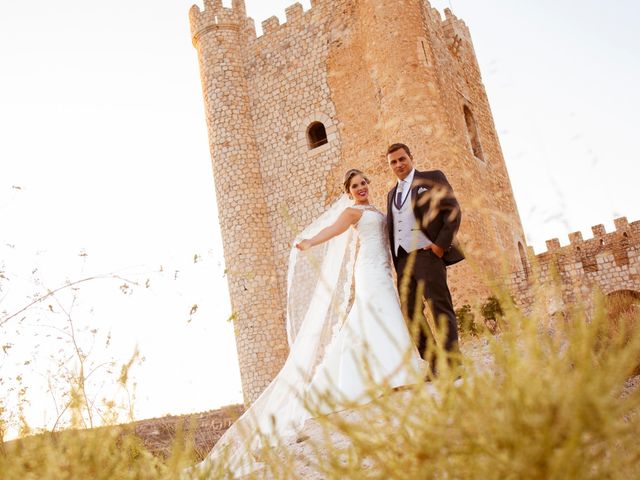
point(622, 308)
point(623, 303)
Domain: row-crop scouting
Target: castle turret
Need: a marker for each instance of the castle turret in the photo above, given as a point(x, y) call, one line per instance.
point(570, 273)
point(219, 35)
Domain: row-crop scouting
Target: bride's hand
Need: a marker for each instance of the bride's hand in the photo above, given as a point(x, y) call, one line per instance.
point(304, 245)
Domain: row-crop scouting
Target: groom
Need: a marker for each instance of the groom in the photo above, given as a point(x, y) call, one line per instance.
point(423, 217)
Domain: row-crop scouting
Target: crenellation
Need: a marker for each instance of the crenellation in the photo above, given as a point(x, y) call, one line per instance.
point(553, 245)
point(433, 13)
point(608, 261)
point(295, 20)
point(621, 223)
point(239, 7)
point(250, 28)
point(575, 238)
point(600, 239)
point(598, 230)
point(453, 23)
point(270, 25)
point(294, 13)
point(213, 17)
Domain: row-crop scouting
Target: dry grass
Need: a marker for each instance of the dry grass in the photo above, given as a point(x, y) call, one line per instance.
point(552, 406)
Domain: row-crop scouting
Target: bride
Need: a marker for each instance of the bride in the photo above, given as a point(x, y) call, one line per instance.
point(347, 336)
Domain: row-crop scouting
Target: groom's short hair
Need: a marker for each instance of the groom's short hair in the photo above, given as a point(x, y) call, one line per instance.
point(397, 146)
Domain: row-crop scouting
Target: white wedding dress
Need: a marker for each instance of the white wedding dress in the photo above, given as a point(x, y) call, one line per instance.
point(373, 346)
point(348, 339)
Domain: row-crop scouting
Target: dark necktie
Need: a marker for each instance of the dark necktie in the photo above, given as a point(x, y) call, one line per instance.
point(399, 197)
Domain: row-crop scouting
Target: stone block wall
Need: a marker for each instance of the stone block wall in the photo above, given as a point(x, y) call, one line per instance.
point(609, 262)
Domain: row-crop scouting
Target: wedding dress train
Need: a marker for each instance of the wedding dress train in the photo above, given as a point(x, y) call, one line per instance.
point(346, 334)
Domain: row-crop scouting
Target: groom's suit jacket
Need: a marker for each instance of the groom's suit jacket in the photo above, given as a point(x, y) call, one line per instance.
point(436, 210)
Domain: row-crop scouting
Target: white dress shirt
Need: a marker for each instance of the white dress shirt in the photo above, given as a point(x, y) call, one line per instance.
point(405, 185)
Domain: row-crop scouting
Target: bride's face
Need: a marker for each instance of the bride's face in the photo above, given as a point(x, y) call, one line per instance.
point(359, 189)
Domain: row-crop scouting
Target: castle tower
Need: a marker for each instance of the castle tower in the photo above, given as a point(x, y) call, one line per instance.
point(219, 35)
point(416, 80)
point(329, 90)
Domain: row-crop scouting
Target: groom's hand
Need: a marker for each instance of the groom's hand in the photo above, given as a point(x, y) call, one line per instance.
point(435, 249)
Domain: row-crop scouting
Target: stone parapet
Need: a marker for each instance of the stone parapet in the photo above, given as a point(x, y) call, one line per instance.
point(216, 17)
point(609, 262)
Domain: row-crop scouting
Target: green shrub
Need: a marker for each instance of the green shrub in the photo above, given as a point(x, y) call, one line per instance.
point(492, 313)
point(466, 320)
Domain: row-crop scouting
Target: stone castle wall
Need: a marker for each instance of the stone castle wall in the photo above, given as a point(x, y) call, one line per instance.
point(372, 77)
point(609, 262)
point(287, 77)
point(416, 73)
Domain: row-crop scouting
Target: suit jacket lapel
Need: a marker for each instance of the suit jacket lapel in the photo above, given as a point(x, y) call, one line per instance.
point(390, 197)
point(414, 189)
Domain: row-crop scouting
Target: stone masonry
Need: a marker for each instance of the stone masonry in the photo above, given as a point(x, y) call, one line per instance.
point(608, 262)
point(371, 77)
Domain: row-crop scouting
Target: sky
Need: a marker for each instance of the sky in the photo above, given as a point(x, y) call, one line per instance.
point(105, 169)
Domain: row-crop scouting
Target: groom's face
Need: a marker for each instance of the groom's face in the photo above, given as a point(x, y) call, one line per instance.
point(401, 163)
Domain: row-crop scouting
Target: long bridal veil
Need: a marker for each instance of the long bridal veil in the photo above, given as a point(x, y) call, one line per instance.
point(319, 285)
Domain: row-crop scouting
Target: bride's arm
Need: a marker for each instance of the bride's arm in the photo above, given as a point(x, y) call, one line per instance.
point(344, 221)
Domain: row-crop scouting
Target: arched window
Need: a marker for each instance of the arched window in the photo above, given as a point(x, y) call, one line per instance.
point(472, 133)
point(316, 135)
point(523, 259)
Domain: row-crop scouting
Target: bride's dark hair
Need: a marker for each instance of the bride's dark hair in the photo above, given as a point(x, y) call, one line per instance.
point(350, 174)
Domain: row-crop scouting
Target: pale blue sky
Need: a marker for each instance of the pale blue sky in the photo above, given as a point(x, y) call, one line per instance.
point(103, 129)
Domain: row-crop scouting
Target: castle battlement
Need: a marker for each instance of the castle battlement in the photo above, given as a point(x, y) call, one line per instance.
point(295, 16)
point(625, 236)
point(455, 31)
point(450, 23)
point(609, 261)
point(451, 28)
point(215, 16)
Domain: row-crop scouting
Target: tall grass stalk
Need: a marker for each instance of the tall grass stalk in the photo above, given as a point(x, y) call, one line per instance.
point(552, 405)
